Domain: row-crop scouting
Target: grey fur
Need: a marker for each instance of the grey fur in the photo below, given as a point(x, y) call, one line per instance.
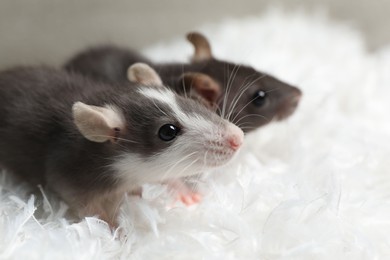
point(109, 64)
point(40, 142)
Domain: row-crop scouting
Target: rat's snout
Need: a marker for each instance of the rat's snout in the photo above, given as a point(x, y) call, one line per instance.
point(223, 145)
point(295, 97)
point(234, 142)
point(289, 103)
point(234, 137)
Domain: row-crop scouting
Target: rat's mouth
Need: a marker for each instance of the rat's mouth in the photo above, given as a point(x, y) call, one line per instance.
point(217, 157)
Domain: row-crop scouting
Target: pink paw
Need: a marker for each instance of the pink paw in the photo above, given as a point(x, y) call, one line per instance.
point(184, 193)
point(189, 198)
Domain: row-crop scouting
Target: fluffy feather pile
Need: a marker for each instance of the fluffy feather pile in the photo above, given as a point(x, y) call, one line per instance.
point(316, 186)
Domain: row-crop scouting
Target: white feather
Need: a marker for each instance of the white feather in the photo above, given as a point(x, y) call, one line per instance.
point(314, 187)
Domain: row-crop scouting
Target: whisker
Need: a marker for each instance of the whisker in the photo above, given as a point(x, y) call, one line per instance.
point(263, 117)
point(239, 90)
point(250, 101)
point(224, 83)
point(237, 98)
point(189, 165)
point(219, 111)
point(243, 88)
point(118, 138)
point(205, 158)
point(268, 91)
point(175, 164)
point(195, 181)
point(155, 104)
point(183, 83)
point(227, 89)
point(271, 90)
point(247, 127)
point(231, 78)
point(195, 186)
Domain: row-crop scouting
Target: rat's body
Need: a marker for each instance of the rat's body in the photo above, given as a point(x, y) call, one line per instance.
point(106, 63)
point(92, 142)
point(247, 97)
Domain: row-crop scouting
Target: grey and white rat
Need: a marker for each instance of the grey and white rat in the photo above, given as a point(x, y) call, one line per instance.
point(91, 142)
point(247, 97)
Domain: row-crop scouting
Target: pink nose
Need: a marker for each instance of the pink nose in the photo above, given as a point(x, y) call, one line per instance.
point(235, 142)
point(235, 137)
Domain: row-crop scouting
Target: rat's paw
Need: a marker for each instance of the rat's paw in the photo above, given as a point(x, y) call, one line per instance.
point(184, 193)
point(190, 198)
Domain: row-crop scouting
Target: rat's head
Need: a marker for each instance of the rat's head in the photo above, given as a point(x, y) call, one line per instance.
point(245, 96)
point(156, 134)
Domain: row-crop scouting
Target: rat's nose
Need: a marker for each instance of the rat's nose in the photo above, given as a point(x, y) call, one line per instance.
point(235, 143)
point(296, 97)
point(235, 137)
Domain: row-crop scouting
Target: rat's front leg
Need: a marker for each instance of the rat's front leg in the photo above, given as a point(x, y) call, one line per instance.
point(186, 194)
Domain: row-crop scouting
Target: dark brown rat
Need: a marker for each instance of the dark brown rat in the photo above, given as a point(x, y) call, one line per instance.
point(247, 97)
point(92, 142)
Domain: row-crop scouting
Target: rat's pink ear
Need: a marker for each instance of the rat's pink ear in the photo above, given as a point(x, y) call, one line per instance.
point(201, 45)
point(203, 85)
point(143, 74)
point(98, 124)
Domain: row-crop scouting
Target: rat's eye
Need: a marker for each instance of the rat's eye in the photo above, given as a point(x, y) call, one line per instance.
point(259, 98)
point(168, 132)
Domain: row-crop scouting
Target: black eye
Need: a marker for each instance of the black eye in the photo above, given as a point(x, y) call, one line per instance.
point(168, 132)
point(259, 98)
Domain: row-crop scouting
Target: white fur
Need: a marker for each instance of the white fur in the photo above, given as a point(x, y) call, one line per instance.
point(314, 187)
point(161, 94)
point(189, 154)
point(167, 97)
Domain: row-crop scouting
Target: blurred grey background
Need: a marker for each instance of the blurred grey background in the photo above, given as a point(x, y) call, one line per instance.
point(49, 31)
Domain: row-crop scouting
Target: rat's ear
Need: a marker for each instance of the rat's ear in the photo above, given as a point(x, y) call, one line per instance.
point(203, 85)
point(201, 45)
point(143, 74)
point(98, 124)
